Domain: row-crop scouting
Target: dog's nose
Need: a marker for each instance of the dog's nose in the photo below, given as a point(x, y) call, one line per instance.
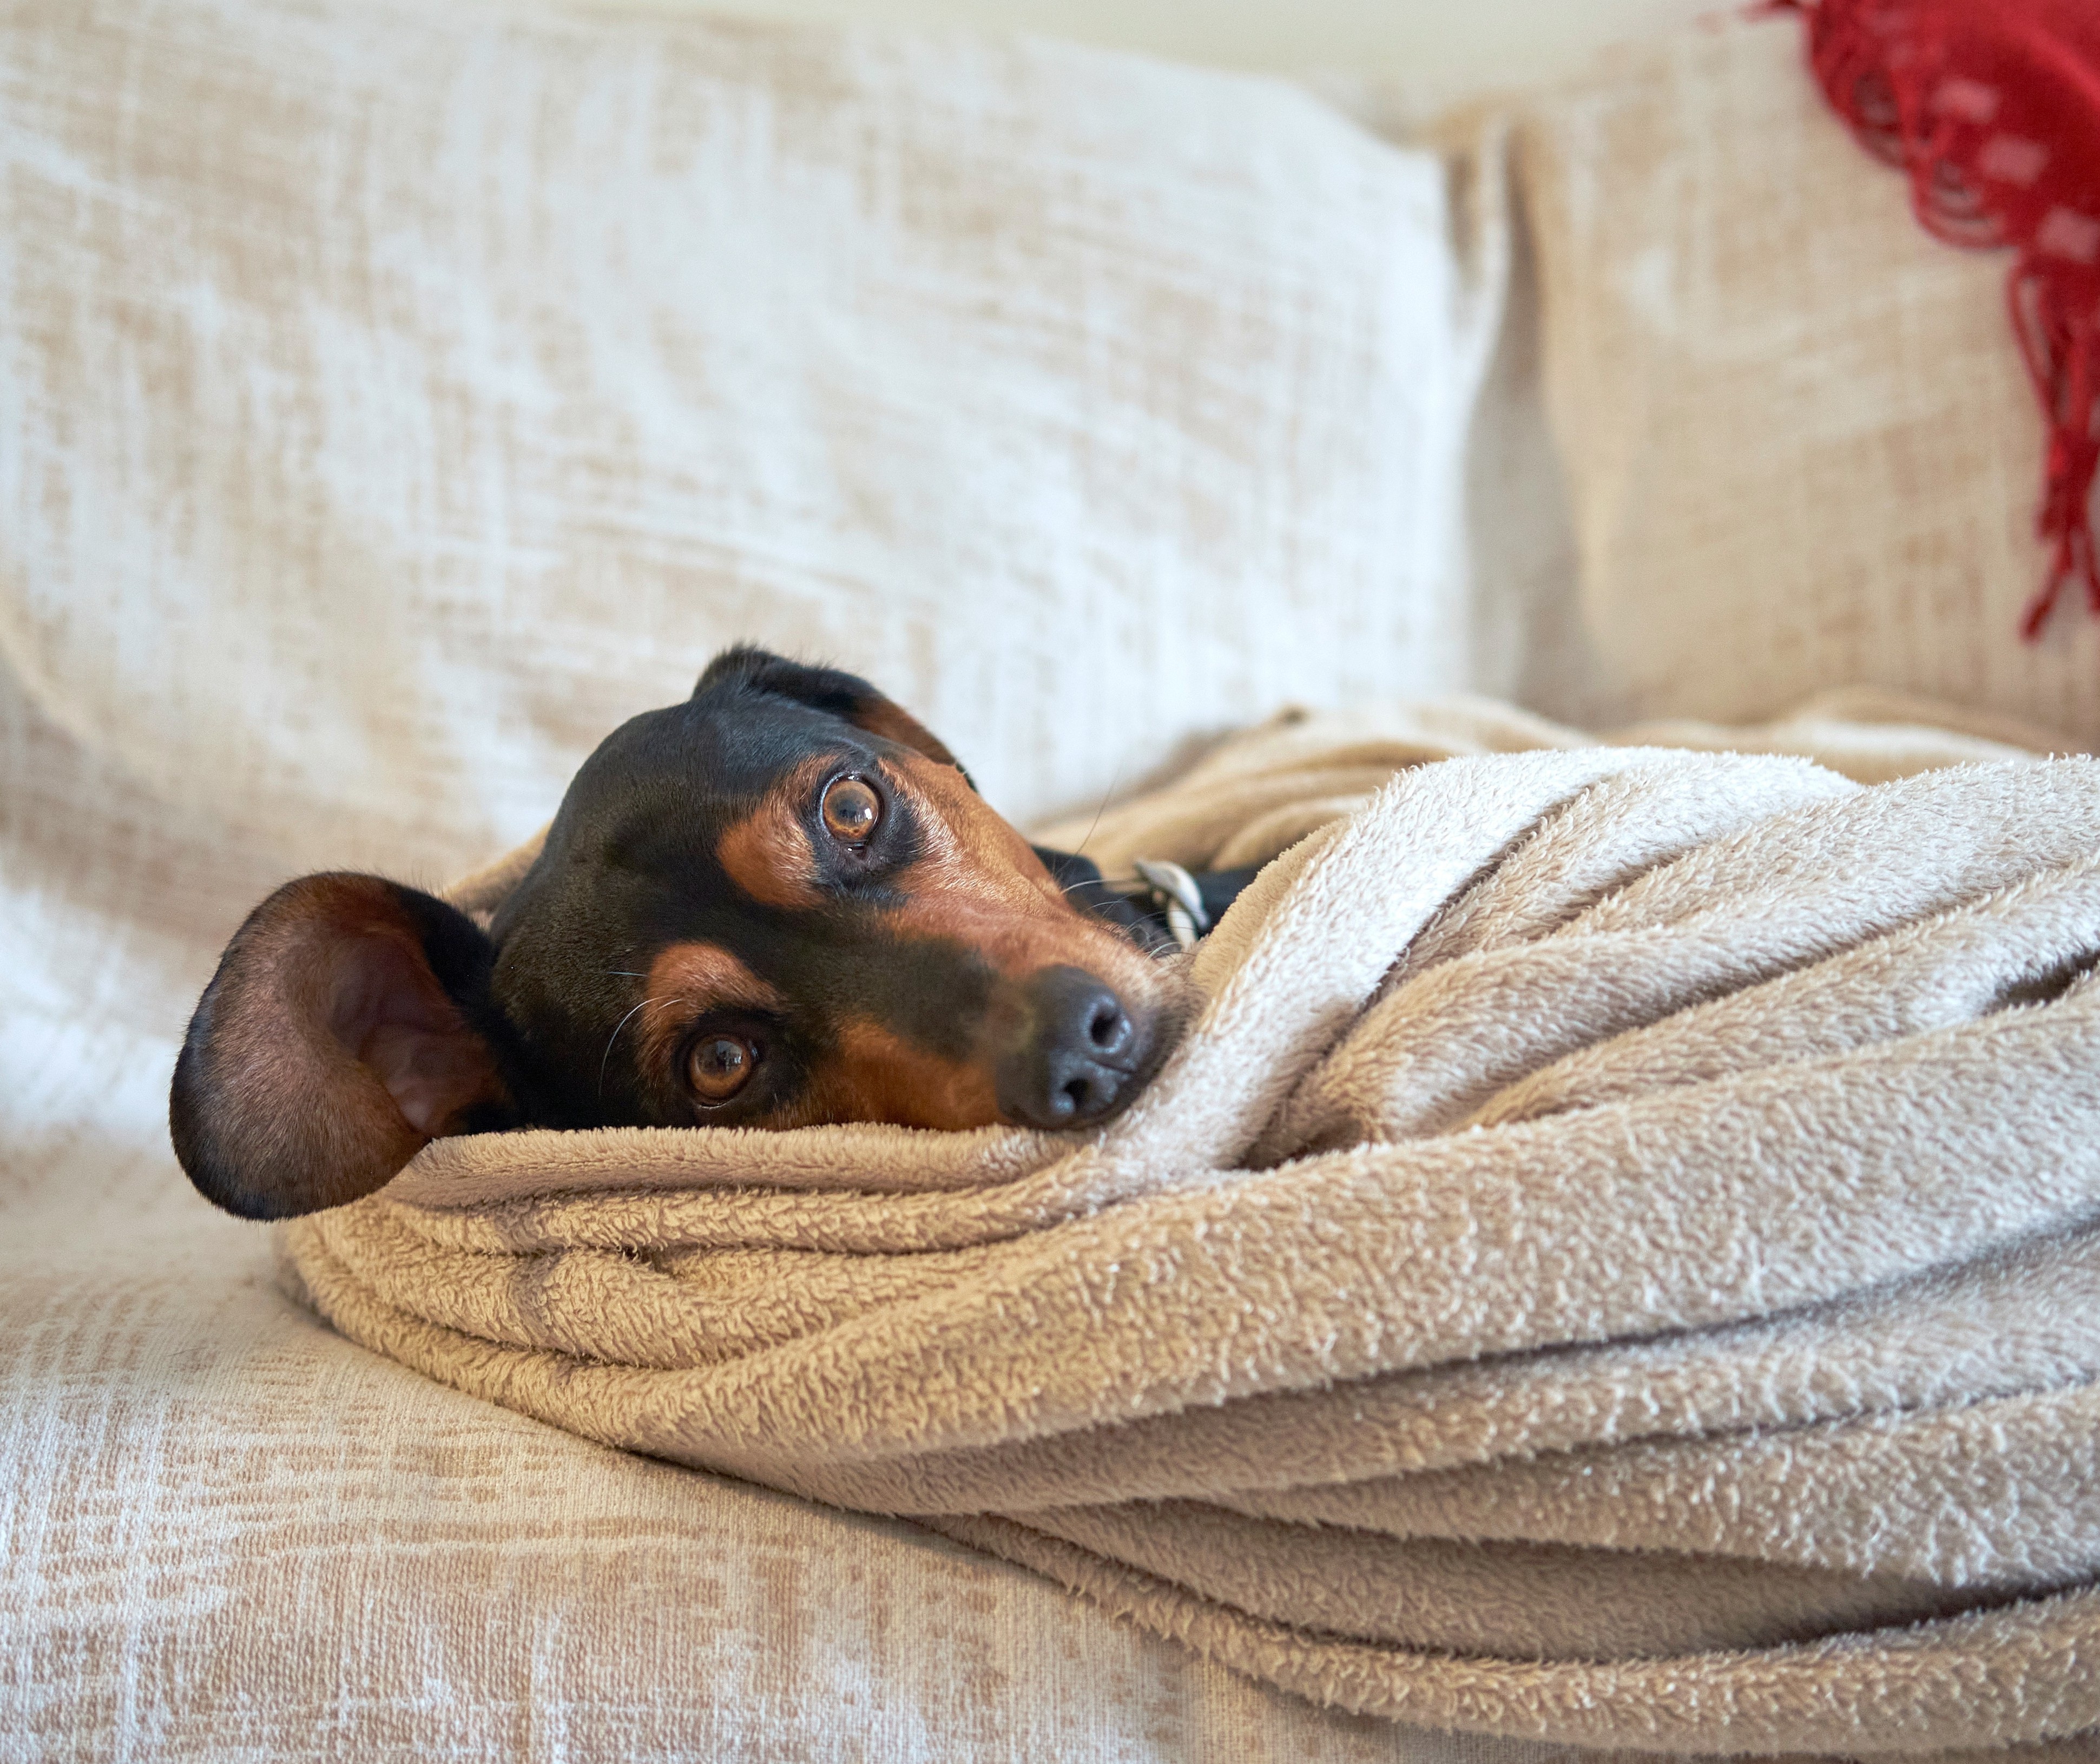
point(1076, 1054)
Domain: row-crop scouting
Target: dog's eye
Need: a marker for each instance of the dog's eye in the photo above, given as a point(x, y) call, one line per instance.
point(851, 809)
point(719, 1066)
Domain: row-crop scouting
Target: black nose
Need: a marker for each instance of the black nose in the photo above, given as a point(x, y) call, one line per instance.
point(1076, 1054)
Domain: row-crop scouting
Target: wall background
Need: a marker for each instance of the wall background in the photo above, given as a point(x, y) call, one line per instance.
point(1436, 48)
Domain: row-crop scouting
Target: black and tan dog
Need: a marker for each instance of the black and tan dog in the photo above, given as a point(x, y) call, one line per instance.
point(780, 903)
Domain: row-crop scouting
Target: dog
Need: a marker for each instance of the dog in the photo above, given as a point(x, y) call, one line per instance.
point(778, 904)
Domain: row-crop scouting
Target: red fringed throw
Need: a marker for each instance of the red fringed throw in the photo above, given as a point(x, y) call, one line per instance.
point(1993, 108)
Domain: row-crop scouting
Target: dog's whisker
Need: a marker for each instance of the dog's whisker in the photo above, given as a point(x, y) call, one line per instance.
point(615, 1036)
point(1115, 777)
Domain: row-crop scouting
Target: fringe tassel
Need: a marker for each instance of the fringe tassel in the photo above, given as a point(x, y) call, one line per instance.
point(2062, 352)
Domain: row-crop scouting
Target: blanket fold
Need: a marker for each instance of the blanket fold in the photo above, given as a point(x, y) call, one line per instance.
point(1615, 1259)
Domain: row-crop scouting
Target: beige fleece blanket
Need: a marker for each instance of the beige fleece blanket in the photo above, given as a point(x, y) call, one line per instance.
point(1616, 1260)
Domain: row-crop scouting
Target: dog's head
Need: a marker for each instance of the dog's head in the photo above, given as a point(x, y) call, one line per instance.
point(778, 904)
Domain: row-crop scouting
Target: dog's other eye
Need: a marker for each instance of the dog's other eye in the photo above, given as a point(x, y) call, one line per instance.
point(851, 809)
point(719, 1066)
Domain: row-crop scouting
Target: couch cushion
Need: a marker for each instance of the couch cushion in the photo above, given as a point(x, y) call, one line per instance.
point(419, 398)
point(1792, 440)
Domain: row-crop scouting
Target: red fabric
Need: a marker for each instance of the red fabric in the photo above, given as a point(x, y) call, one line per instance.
point(1993, 108)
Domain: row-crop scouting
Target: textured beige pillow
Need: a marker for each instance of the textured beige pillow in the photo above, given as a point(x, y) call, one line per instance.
point(396, 402)
point(1795, 444)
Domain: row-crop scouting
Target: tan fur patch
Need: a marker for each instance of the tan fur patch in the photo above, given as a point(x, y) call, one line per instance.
point(874, 1074)
point(767, 853)
point(887, 722)
point(685, 982)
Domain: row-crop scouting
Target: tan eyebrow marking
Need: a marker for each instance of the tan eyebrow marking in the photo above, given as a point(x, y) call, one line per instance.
point(686, 981)
point(767, 853)
point(892, 723)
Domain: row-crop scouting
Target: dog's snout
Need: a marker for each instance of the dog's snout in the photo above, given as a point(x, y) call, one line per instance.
point(1076, 1056)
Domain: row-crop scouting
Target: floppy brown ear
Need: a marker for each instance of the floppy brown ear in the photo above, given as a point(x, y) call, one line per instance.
point(827, 688)
point(346, 1028)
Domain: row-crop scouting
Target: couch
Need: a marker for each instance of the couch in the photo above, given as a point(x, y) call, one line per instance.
point(394, 403)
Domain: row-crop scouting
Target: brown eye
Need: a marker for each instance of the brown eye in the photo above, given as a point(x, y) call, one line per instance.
point(851, 809)
point(719, 1066)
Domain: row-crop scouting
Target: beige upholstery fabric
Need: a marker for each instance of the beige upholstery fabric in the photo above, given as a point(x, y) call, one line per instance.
point(230, 1534)
point(457, 389)
point(1620, 1219)
point(1788, 442)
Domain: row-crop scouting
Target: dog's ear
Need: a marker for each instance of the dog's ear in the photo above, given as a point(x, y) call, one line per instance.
point(827, 688)
point(346, 1027)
